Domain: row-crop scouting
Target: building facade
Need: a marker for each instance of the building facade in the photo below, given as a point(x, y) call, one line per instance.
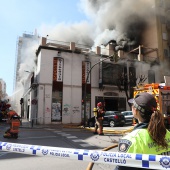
point(59, 84)
point(3, 93)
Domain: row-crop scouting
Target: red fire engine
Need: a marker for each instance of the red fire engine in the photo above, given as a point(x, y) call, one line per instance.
point(162, 95)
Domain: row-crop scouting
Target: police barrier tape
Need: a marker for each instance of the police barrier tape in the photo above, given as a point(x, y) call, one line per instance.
point(96, 156)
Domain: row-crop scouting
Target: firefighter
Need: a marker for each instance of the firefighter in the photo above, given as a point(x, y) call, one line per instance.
point(12, 116)
point(99, 119)
point(150, 135)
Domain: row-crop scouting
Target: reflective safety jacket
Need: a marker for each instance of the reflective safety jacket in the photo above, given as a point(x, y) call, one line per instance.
point(139, 141)
point(11, 113)
point(100, 113)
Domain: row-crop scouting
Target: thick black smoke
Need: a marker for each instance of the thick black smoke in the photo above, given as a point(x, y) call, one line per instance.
point(127, 18)
point(119, 20)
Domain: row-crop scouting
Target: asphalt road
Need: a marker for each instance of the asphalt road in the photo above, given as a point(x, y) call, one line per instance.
point(56, 136)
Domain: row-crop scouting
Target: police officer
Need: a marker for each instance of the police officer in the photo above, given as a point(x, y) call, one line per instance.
point(99, 119)
point(150, 135)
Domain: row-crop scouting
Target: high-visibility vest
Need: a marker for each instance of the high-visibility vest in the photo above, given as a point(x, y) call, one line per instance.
point(139, 141)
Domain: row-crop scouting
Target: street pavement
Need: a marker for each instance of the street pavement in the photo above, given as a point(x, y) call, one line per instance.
point(82, 138)
point(107, 142)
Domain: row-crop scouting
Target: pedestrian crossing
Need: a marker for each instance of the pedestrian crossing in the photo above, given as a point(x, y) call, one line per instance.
point(73, 138)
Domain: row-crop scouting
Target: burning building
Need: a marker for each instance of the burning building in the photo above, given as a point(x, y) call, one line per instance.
point(135, 33)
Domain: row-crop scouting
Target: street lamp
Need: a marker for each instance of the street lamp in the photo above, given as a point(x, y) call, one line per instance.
point(85, 95)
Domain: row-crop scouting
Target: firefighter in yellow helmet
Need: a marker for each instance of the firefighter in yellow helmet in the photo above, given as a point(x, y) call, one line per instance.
point(99, 116)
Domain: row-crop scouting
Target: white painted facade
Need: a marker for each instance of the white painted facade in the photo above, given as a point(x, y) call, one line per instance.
point(72, 110)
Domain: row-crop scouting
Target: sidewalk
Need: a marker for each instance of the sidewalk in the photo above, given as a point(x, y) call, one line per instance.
point(118, 130)
point(28, 124)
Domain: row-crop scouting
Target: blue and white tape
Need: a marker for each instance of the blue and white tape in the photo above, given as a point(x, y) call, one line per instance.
point(114, 158)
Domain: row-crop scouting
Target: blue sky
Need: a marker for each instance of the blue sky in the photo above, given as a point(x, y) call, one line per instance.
point(23, 16)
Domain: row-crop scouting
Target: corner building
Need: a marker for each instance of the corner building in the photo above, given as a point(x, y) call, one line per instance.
point(59, 85)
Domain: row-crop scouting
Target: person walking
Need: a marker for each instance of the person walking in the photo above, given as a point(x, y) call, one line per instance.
point(150, 135)
point(99, 119)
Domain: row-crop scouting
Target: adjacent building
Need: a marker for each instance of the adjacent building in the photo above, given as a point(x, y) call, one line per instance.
point(3, 93)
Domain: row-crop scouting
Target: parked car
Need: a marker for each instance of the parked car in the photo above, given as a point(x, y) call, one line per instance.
point(111, 118)
point(128, 117)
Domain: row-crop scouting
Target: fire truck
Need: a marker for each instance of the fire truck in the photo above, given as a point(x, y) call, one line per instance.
point(162, 96)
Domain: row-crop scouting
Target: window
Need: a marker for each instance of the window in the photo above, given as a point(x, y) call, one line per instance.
point(164, 36)
point(166, 53)
point(107, 114)
point(151, 76)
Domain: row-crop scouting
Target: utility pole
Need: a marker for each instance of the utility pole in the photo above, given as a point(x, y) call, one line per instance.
point(85, 87)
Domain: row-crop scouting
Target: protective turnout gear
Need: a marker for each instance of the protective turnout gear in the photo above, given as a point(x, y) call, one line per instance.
point(95, 112)
point(14, 128)
point(99, 119)
point(95, 109)
point(14, 121)
point(11, 113)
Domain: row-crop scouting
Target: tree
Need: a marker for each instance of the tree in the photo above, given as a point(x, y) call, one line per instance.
point(128, 83)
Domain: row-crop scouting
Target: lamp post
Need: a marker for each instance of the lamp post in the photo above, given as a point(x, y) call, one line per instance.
point(85, 95)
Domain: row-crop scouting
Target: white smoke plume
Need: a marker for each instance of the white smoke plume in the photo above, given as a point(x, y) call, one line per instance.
point(27, 64)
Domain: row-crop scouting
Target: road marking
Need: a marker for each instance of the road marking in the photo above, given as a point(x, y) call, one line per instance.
point(71, 137)
point(56, 131)
point(86, 145)
point(49, 129)
point(78, 140)
point(59, 133)
point(65, 134)
point(41, 137)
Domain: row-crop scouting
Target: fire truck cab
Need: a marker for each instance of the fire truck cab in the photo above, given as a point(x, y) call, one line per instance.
point(162, 96)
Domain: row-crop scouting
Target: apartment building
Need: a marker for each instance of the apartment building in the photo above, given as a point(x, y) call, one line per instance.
point(2, 89)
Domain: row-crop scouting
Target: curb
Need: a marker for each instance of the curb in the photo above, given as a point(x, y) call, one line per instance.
point(123, 132)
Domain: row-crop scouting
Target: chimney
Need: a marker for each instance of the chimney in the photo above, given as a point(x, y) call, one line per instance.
point(98, 50)
point(121, 54)
point(110, 49)
point(72, 46)
point(43, 41)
